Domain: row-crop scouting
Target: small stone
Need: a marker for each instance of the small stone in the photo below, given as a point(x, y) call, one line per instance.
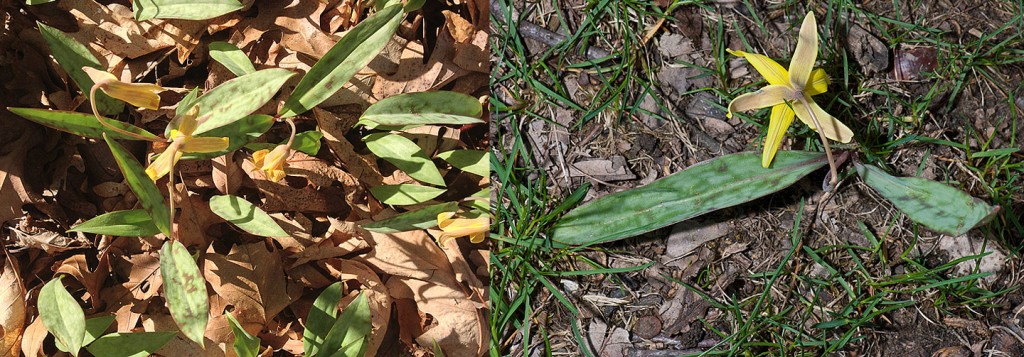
point(647, 327)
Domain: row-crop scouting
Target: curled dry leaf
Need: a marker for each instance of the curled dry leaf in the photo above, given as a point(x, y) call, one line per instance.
point(12, 309)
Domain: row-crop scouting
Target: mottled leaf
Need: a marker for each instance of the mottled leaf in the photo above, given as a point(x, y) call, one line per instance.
point(135, 344)
point(231, 58)
point(353, 52)
point(72, 56)
point(405, 194)
point(182, 9)
point(246, 345)
point(236, 98)
point(405, 155)
point(321, 318)
point(307, 142)
point(62, 316)
point(79, 123)
point(246, 216)
point(149, 196)
point(707, 186)
point(348, 335)
point(472, 161)
point(129, 223)
point(184, 290)
point(938, 206)
point(425, 108)
point(239, 133)
point(422, 218)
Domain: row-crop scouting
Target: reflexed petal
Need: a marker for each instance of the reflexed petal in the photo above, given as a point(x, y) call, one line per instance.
point(274, 175)
point(782, 117)
point(259, 156)
point(162, 165)
point(98, 76)
point(205, 145)
point(763, 98)
point(475, 228)
point(276, 158)
point(806, 52)
point(187, 123)
point(772, 71)
point(143, 95)
point(477, 237)
point(832, 128)
point(818, 83)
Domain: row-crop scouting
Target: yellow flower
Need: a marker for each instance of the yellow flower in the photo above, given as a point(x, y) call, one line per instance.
point(452, 228)
point(789, 93)
point(272, 162)
point(182, 141)
point(145, 95)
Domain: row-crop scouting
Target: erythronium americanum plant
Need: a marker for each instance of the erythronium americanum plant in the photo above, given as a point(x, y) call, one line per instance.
point(789, 93)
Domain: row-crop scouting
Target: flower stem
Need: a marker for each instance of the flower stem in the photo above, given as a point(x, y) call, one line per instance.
point(96, 112)
point(828, 151)
point(292, 137)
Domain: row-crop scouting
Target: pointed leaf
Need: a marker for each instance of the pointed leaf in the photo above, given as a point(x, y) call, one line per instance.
point(707, 186)
point(472, 161)
point(184, 290)
point(72, 56)
point(419, 219)
point(246, 345)
point(79, 123)
point(129, 223)
point(149, 196)
point(236, 98)
point(348, 335)
point(231, 57)
point(243, 214)
point(940, 207)
point(425, 108)
point(405, 194)
point(182, 9)
point(353, 52)
point(62, 316)
point(307, 142)
point(239, 133)
point(95, 327)
point(405, 155)
point(135, 344)
point(321, 319)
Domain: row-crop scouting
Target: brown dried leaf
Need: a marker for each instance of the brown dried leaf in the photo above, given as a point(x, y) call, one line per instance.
point(460, 323)
point(92, 279)
point(32, 340)
point(12, 310)
point(251, 279)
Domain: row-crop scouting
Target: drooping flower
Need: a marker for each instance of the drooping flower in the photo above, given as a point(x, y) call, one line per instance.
point(273, 162)
point(789, 93)
point(145, 95)
point(452, 227)
point(182, 141)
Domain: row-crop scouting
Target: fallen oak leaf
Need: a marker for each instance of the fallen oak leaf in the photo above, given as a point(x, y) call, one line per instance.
point(12, 309)
point(250, 278)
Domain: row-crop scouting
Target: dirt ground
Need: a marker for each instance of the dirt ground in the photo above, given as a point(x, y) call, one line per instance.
point(863, 279)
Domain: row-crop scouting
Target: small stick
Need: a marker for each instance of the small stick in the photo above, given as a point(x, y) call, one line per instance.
point(828, 151)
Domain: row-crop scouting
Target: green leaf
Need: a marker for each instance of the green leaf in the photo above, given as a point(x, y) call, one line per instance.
point(62, 316)
point(482, 202)
point(307, 142)
point(939, 207)
point(231, 57)
point(72, 56)
point(419, 219)
point(239, 97)
point(184, 290)
point(129, 223)
point(472, 161)
point(182, 9)
point(79, 123)
point(425, 108)
point(95, 326)
point(135, 344)
point(708, 186)
point(239, 133)
point(149, 196)
point(38, 2)
point(405, 155)
point(321, 318)
point(353, 52)
point(246, 345)
point(183, 106)
point(243, 214)
point(405, 194)
point(348, 335)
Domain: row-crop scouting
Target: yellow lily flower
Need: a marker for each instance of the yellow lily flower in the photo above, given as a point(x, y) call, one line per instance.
point(452, 228)
point(272, 162)
point(789, 93)
point(182, 141)
point(145, 95)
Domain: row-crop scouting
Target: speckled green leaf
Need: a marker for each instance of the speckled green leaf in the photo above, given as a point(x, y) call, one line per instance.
point(353, 52)
point(246, 345)
point(231, 58)
point(236, 98)
point(307, 142)
point(938, 206)
point(184, 290)
point(149, 196)
point(239, 133)
point(182, 9)
point(321, 318)
point(707, 186)
point(243, 214)
point(425, 108)
point(62, 316)
point(405, 194)
point(472, 161)
point(134, 344)
point(72, 56)
point(405, 155)
point(79, 123)
point(422, 218)
point(128, 223)
point(348, 335)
